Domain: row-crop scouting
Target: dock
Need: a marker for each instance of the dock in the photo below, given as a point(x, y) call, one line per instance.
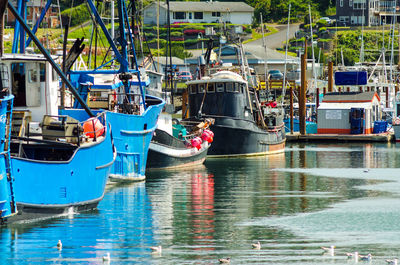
point(379, 137)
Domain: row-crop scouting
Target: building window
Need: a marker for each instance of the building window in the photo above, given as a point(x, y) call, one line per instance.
point(350, 3)
point(198, 15)
point(190, 15)
point(216, 14)
point(341, 3)
point(149, 14)
point(179, 15)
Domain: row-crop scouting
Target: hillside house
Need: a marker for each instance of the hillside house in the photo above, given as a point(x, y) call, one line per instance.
point(200, 12)
point(34, 8)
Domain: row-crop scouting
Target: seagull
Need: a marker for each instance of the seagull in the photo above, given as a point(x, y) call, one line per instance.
point(366, 170)
point(107, 257)
point(366, 258)
point(59, 245)
point(353, 255)
point(391, 261)
point(256, 245)
point(330, 250)
point(157, 249)
point(227, 260)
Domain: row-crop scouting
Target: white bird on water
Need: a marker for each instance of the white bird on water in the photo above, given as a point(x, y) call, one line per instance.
point(256, 245)
point(107, 257)
point(59, 245)
point(366, 257)
point(391, 261)
point(225, 260)
point(366, 170)
point(330, 250)
point(157, 249)
point(353, 255)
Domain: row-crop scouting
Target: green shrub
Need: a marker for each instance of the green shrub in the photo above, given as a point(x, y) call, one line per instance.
point(322, 23)
point(78, 14)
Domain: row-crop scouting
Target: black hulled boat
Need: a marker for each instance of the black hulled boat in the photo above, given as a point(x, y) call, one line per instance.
point(243, 126)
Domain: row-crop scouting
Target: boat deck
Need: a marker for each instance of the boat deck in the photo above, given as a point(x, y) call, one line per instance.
point(380, 137)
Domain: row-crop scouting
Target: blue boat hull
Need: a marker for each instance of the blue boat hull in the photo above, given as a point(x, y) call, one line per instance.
point(7, 203)
point(55, 186)
point(132, 135)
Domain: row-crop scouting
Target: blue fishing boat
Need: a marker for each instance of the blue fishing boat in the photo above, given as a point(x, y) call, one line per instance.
point(7, 201)
point(59, 164)
point(120, 93)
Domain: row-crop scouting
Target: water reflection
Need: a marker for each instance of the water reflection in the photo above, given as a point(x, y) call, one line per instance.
point(312, 195)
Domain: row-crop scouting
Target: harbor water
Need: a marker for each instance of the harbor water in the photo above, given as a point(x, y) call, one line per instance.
point(294, 203)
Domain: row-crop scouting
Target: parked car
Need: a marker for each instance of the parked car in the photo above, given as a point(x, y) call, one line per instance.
point(275, 75)
point(184, 76)
point(327, 19)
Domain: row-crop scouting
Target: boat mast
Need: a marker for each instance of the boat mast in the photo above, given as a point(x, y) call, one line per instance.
point(286, 58)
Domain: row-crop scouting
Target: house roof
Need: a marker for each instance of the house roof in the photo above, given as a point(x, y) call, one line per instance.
point(210, 6)
point(343, 97)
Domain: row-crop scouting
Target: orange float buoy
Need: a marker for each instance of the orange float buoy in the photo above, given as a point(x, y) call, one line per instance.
point(93, 125)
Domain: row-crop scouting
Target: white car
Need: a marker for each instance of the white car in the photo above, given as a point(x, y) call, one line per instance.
point(327, 19)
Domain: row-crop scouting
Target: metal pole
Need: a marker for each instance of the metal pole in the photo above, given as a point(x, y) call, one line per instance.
point(51, 61)
point(291, 109)
point(330, 76)
point(302, 98)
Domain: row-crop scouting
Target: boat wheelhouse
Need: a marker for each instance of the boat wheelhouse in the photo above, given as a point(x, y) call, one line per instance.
point(243, 126)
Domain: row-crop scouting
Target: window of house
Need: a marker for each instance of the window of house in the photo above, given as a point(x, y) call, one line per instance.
point(179, 15)
point(341, 3)
point(149, 14)
point(216, 14)
point(190, 15)
point(220, 87)
point(198, 15)
point(350, 3)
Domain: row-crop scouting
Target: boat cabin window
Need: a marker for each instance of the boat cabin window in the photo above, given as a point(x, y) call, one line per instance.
point(4, 78)
point(242, 88)
point(210, 88)
point(201, 88)
point(55, 75)
point(32, 76)
point(192, 89)
point(229, 87)
point(236, 87)
point(220, 87)
point(26, 84)
point(42, 72)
